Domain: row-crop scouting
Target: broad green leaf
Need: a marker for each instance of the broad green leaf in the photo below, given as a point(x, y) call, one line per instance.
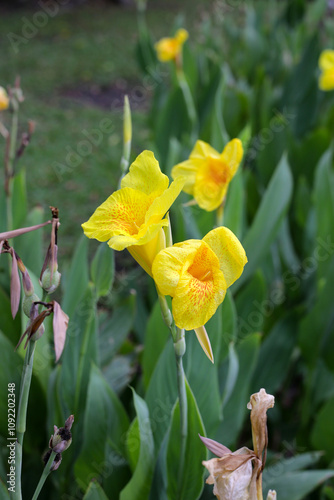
point(250, 303)
point(9, 326)
point(232, 375)
point(190, 485)
point(10, 373)
point(234, 211)
point(19, 199)
point(79, 352)
point(114, 330)
point(267, 221)
point(288, 465)
point(296, 486)
point(322, 436)
point(162, 393)
point(140, 483)
point(133, 444)
point(119, 373)
point(104, 431)
point(275, 356)
point(156, 337)
point(235, 410)
point(199, 368)
point(102, 269)
point(95, 492)
point(30, 246)
point(229, 325)
point(77, 278)
point(4, 495)
point(324, 208)
point(219, 136)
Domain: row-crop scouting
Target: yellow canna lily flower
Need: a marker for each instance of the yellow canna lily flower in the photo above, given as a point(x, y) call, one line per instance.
point(209, 173)
point(196, 273)
point(168, 49)
point(326, 64)
point(134, 216)
point(4, 99)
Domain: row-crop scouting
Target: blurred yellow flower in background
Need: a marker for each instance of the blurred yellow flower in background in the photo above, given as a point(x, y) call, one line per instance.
point(196, 273)
point(326, 64)
point(208, 173)
point(168, 49)
point(4, 99)
point(134, 216)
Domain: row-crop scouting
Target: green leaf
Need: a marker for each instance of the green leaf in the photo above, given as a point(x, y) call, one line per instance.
point(289, 465)
point(322, 436)
point(324, 208)
point(79, 352)
point(232, 375)
point(4, 495)
point(19, 199)
point(104, 430)
point(30, 245)
point(11, 369)
point(162, 393)
point(249, 302)
point(140, 483)
point(235, 410)
point(156, 337)
point(268, 220)
point(9, 326)
point(77, 279)
point(191, 483)
point(102, 269)
point(234, 211)
point(275, 356)
point(229, 325)
point(296, 486)
point(115, 329)
point(95, 492)
point(198, 368)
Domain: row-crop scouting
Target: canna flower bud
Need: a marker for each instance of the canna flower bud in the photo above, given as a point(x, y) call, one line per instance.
point(57, 460)
point(50, 282)
point(38, 334)
point(271, 495)
point(28, 301)
point(4, 99)
point(62, 438)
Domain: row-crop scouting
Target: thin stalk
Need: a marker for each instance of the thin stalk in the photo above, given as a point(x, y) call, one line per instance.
point(179, 349)
point(9, 164)
point(44, 475)
point(22, 413)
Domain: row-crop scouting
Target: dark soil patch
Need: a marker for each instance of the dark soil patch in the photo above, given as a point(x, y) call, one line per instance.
point(109, 96)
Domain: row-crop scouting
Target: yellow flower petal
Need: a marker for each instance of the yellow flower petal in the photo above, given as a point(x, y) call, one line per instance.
point(162, 204)
point(196, 300)
point(326, 60)
point(146, 176)
point(122, 213)
point(231, 254)
point(169, 48)
point(145, 254)
point(203, 150)
point(4, 99)
point(211, 184)
point(326, 80)
point(204, 341)
point(200, 289)
point(232, 155)
point(181, 35)
point(168, 264)
point(188, 169)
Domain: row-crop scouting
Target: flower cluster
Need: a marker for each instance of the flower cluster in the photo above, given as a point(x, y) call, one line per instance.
point(170, 49)
point(195, 273)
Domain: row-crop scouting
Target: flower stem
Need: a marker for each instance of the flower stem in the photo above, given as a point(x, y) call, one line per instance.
point(22, 414)
point(44, 475)
point(179, 349)
point(9, 163)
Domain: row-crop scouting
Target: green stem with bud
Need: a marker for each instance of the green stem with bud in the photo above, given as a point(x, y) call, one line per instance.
point(179, 349)
point(9, 165)
point(44, 475)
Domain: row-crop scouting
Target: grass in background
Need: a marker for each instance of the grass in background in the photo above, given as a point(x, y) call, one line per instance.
point(79, 51)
